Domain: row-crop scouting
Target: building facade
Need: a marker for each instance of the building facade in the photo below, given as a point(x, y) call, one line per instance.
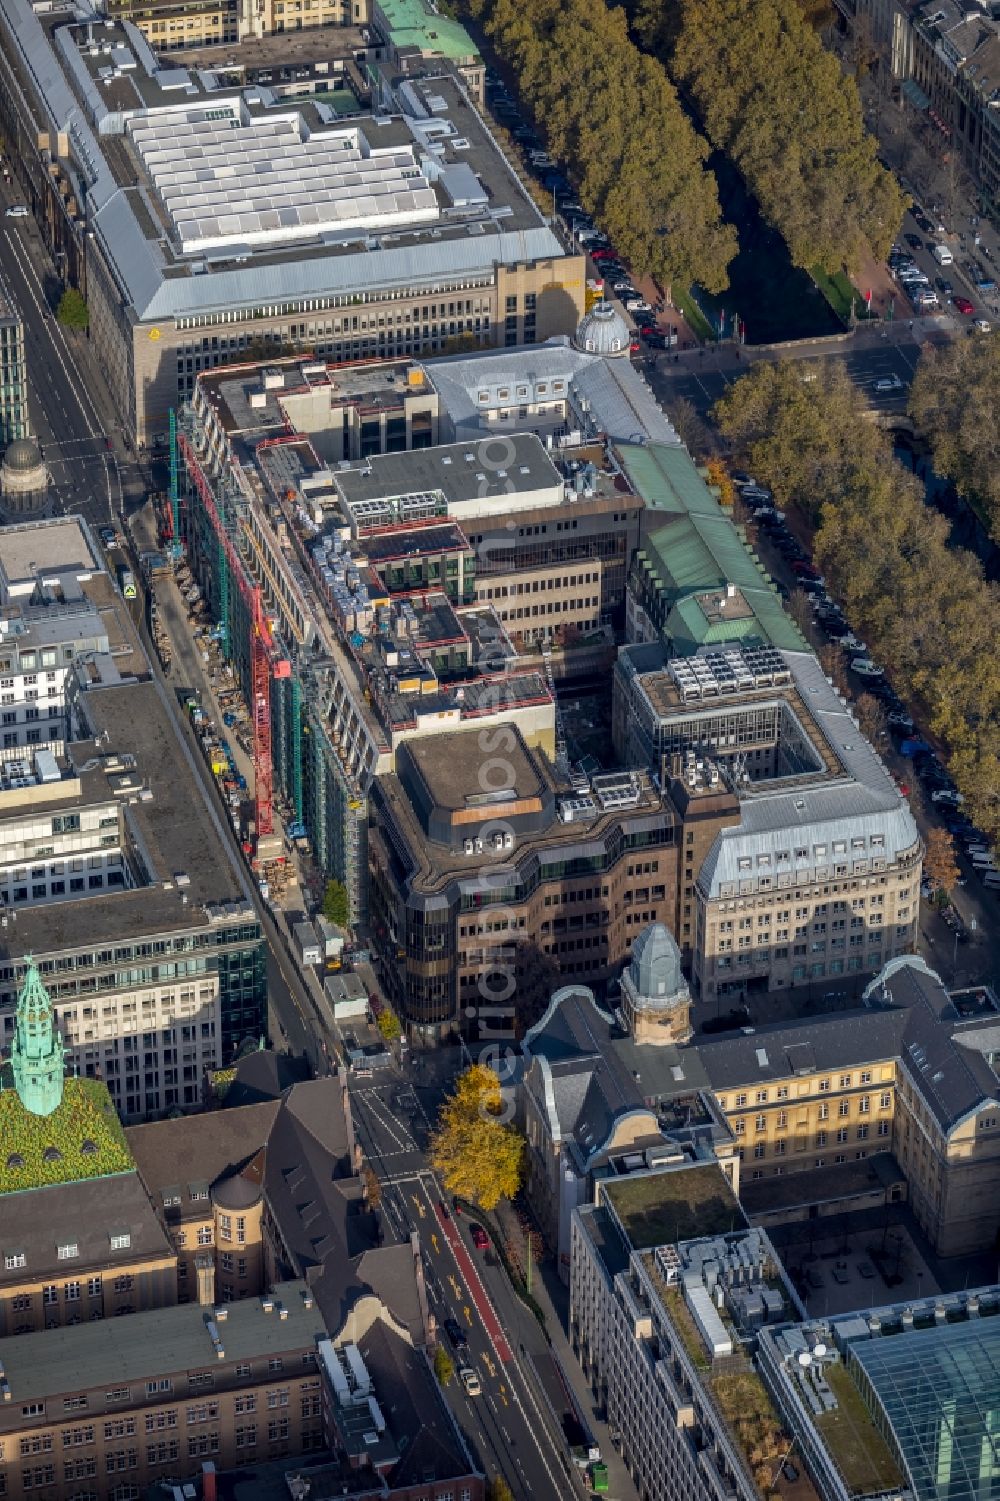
point(14, 421)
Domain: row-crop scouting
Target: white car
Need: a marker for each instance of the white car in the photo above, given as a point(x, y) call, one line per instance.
point(888, 383)
point(944, 795)
point(471, 1382)
point(866, 668)
point(983, 326)
point(17, 211)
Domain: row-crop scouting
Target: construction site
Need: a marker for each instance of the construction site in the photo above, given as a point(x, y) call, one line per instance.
point(331, 643)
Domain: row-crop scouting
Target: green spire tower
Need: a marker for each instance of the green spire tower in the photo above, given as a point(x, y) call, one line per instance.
point(37, 1052)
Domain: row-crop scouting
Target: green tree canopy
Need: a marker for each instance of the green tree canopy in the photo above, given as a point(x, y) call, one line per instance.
point(72, 311)
point(614, 113)
point(955, 402)
point(388, 1024)
point(479, 1157)
point(923, 607)
point(336, 908)
point(444, 1366)
point(778, 104)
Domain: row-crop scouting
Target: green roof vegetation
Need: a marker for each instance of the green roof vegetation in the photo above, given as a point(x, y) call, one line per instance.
point(659, 1209)
point(82, 1138)
point(860, 1452)
point(750, 1415)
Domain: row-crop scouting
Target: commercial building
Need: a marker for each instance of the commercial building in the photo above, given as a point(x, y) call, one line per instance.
point(114, 1408)
point(903, 1397)
point(816, 883)
point(387, 234)
point(601, 1099)
point(14, 421)
point(58, 607)
point(668, 1289)
point(139, 920)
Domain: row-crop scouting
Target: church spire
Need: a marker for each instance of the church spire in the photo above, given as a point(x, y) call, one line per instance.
point(37, 1053)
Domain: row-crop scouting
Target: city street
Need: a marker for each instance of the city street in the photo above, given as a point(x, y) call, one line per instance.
point(69, 408)
point(511, 1428)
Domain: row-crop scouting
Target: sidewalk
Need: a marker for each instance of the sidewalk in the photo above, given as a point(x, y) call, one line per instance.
point(554, 1367)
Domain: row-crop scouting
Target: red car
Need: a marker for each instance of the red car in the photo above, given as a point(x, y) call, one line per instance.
point(597, 256)
point(805, 570)
point(480, 1239)
point(964, 305)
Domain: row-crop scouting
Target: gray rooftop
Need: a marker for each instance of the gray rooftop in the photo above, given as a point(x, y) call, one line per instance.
point(38, 1220)
point(861, 807)
point(462, 472)
point(165, 1343)
point(606, 396)
point(135, 230)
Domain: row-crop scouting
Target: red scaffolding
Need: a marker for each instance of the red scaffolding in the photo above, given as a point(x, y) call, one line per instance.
point(265, 662)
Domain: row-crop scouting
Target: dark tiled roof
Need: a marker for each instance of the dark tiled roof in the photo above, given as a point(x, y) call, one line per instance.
point(264, 1075)
point(417, 1418)
point(195, 1151)
point(37, 1221)
point(806, 1046)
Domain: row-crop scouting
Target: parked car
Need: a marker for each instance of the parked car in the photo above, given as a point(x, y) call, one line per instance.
point(983, 326)
point(964, 306)
point(866, 668)
point(888, 383)
point(900, 720)
point(480, 1239)
point(740, 477)
point(944, 286)
point(947, 795)
point(914, 242)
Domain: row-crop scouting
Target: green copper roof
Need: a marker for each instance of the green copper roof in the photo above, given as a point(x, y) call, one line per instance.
point(412, 23)
point(37, 1052)
point(81, 1138)
point(696, 549)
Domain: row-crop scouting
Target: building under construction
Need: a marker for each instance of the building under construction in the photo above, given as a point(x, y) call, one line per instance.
point(348, 633)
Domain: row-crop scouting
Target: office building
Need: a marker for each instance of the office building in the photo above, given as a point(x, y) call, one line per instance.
point(388, 234)
point(79, 1238)
point(668, 1289)
point(58, 606)
point(817, 882)
point(14, 421)
point(139, 920)
point(112, 1409)
point(902, 1398)
point(491, 872)
point(600, 1098)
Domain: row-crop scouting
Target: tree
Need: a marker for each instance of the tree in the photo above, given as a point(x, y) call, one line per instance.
point(954, 401)
point(770, 96)
point(336, 908)
point(444, 1366)
point(871, 717)
point(478, 1156)
point(372, 1186)
point(388, 1023)
point(499, 1490)
point(922, 605)
point(614, 113)
point(940, 864)
point(72, 311)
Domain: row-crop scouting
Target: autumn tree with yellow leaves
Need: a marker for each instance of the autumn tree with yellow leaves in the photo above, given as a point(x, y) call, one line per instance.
point(478, 1155)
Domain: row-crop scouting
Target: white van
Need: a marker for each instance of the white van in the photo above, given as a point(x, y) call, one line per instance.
point(17, 211)
point(983, 862)
point(991, 878)
point(942, 255)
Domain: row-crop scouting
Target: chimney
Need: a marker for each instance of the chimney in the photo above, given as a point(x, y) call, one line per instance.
point(208, 1484)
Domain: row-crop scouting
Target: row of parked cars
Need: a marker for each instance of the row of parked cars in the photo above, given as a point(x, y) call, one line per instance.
point(554, 179)
point(937, 782)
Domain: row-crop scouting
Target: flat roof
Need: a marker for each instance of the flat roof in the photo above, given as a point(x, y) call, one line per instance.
point(491, 469)
point(683, 1203)
point(450, 767)
point(91, 81)
point(311, 45)
point(33, 550)
point(229, 177)
point(164, 1343)
point(174, 843)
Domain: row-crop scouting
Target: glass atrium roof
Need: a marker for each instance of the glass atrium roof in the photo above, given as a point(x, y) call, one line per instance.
point(939, 1389)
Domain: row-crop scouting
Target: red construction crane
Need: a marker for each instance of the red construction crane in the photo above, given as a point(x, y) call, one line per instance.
point(265, 662)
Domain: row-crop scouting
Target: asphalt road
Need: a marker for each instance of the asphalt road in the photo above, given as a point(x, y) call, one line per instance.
point(510, 1428)
point(69, 408)
point(702, 378)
